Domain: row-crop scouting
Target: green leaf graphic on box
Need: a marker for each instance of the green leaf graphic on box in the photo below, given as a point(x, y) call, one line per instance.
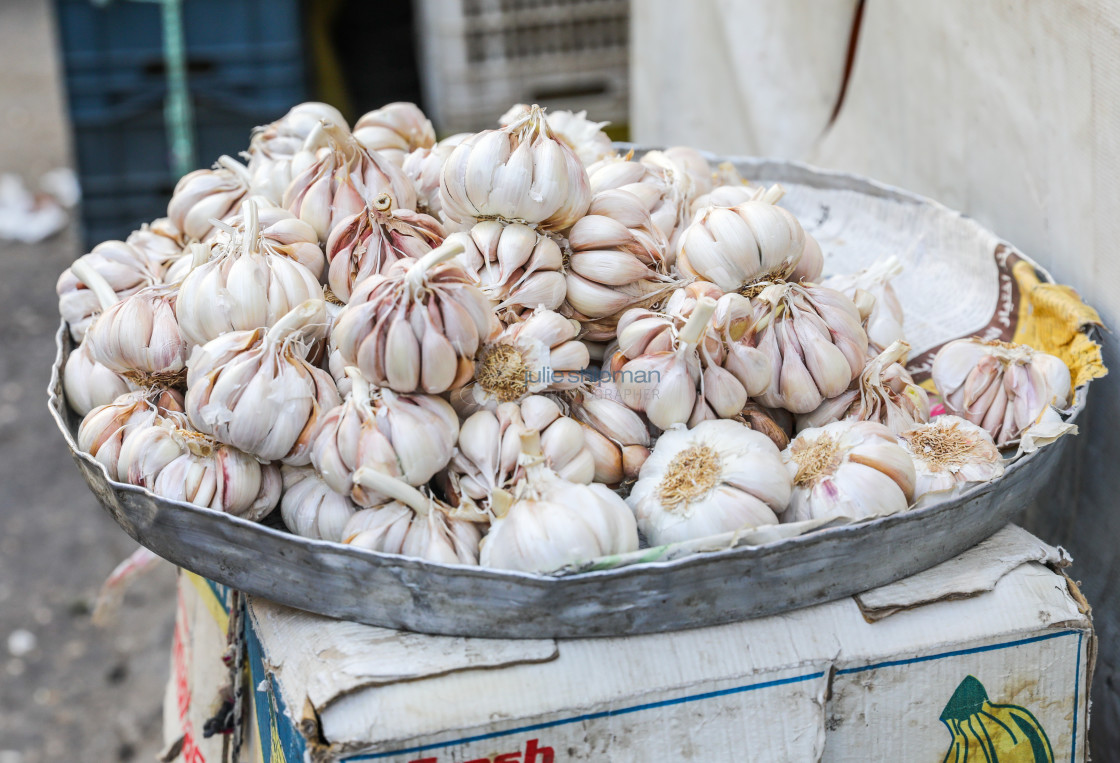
point(985, 732)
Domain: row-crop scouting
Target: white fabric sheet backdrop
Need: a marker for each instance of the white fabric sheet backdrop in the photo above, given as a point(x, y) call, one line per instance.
point(1008, 111)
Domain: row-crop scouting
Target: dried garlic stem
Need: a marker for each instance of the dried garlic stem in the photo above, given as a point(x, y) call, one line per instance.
point(698, 321)
point(95, 282)
point(394, 488)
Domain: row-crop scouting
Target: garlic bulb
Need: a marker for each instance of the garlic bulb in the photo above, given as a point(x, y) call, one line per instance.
point(1002, 387)
point(411, 524)
point(949, 452)
point(88, 383)
point(125, 269)
point(137, 337)
point(408, 437)
point(550, 522)
point(734, 247)
point(394, 130)
point(274, 147)
point(519, 173)
point(814, 340)
point(485, 459)
point(281, 233)
point(723, 196)
point(416, 328)
point(310, 508)
point(885, 393)
point(340, 179)
point(617, 437)
point(176, 462)
point(848, 469)
point(423, 167)
point(104, 429)
point(203, 195)
point(372, 240)
point(578, 132)
point(256, 391)
point(246, 285)
point(665, 188)
point(884, 318)
point(538, 354)
point(717, 477)
point(158, 242)
point(515, 266)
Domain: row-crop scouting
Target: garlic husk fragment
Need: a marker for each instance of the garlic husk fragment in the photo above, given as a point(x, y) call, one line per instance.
point(519, 173)
point(735, 246)
point(549, 522)
point(125, 269)
point(88, 383)
point(885, 393)
point(340, 178)
point(775, 424)
point(310, 508)
point(418, 327)
point(281, 233)
point(159, 242)
point(375, 238)
point(394, 130)
point(518, 268)
point(578, 132)
point(719, 476)
point(203, 195)
point(851, 470)
point(137, 337)
point(255, 390)
point(243, 286)
point(174, 461)
point(410, 524)
point(814, 340)
point(408, 437)
point(105, 429)
point(883, 319)
point(273, 148)
point(950, 452)
point(539, 354)
point(618, 438)
point(1004, 388)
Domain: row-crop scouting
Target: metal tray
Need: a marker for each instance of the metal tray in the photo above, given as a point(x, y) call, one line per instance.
point(705, 589)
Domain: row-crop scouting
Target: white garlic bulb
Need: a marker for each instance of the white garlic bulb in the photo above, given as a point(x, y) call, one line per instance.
point(125, 269)
point(734, 247)
point(519, 173)
point(884, 317)
point(578, 132)
point(418, 327)
point(518, 268)
point(273, 148)
point(949, 452)
point(310, 508)
point(1002, 387)
point(423, 167)
point(718, 477)
point(372, 240)
point(203, 195)
point(848, 470)
point(408, 437)
point(104, 430)
point(255, 390)
point(394, 130)
point(88, 383)
point(281, 233)
point(618, 438)
point(159, 242)
point(410, 524)
point(885, 393)
point(550, 522)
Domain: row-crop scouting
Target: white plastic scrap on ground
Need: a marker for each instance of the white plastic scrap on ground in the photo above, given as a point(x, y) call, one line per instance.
point(31, 217)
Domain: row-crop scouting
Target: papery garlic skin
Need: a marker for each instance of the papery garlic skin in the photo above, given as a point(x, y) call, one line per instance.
point(394, 130)
point(551, 522)
point(717, 477)
point(950, 452)
point(256, 391)
point(518, 268)
point(125, 269)
point(850, 470)
point(1002, 387)
point(204, 194)
point(104, 430)
point(310, 508)
point(884, 318)
point(578, 132)
point(88, 383)
point(519, 173)
point(281, 233)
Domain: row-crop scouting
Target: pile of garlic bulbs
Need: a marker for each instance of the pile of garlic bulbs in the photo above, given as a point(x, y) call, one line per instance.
point(518, 348)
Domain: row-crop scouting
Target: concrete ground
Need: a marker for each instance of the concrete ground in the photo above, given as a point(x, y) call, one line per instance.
point(70, 692)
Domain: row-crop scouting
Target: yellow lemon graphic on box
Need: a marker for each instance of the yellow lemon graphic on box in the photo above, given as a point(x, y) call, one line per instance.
point(985, 732)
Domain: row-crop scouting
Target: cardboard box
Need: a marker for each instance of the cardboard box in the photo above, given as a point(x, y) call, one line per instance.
point(992, 650)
